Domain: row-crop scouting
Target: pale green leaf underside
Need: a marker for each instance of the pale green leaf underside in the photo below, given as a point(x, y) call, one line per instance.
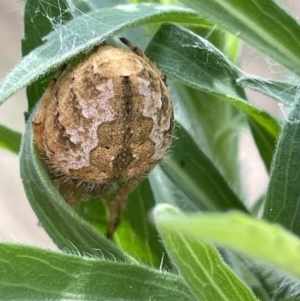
point(82, 33)
point(29, 273)
point(201, 265)
point(256, 238)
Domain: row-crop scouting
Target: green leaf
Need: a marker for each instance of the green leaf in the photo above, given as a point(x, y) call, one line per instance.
point(192, 172)
point(256, 238)
point(284, 92)
point(254, 275)
point(232, 47)
point(29, 273)
point(64, 226)
point(254, 22)
point(283, 195)
point(195, 62)
point(264, 141)
point(164, 190)
point(136, 234)
point(40, 19)
point(214, 125)
point(10, 139)
point(173, 49)
point(84, 32)
point(200, 263)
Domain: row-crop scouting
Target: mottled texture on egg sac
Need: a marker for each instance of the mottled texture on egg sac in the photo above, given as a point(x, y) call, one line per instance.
point(108, 119)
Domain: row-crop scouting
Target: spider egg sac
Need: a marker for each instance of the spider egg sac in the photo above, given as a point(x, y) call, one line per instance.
point(108, 119)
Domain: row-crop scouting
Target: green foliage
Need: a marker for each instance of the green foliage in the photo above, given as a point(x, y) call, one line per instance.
point(214, 74)
point(64, 226)
point(254, 22)
point(29, 273)
point(225, 228)
point(44, 13)
point(81, 34)
point(199, 262)
point(170, 256)
point(284, 92)
point(10, 139)
point(282, 199)
point(187, 170)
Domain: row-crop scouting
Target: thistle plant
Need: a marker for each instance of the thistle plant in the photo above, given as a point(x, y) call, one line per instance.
point(187, 232)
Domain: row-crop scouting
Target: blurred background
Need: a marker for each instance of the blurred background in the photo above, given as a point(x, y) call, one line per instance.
point(18, 223)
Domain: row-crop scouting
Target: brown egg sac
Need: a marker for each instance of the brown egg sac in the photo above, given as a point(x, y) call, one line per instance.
point(106, 121)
